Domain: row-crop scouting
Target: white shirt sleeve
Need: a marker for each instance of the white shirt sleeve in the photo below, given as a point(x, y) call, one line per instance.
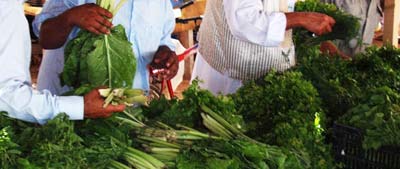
point(16, 94)
point(248, 21)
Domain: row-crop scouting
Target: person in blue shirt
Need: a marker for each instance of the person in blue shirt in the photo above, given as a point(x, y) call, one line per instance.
point(17, 97)
point(148, 24)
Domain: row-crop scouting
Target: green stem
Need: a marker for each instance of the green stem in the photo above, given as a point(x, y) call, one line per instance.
point(221, 120)
point(157, 163)
point(108, 60)
point(158, 141)
point(118, 165)
point(136, 161)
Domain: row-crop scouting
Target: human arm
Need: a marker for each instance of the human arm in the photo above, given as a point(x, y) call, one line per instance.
point(54, 31)
point(317, 23)
point(248, 21)
point(331, 49)
point(17, 97)
point(22, 102)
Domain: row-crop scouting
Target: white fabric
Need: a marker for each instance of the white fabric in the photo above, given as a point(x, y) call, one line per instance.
point(16, 94)
point(247, 21)
point(179, 75)
point(207, 75)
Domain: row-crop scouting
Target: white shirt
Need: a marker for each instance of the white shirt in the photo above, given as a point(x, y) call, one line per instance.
point(16, 94)
point(248, 20)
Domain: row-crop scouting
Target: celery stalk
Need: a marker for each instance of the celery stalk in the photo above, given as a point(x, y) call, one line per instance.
point(147, 157)
point(118, 165)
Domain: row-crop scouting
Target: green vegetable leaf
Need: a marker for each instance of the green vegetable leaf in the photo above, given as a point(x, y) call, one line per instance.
point(100, 60)
point(112, 60)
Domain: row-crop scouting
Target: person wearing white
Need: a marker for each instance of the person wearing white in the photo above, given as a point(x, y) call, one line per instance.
point(242, 40)
point(17, 97)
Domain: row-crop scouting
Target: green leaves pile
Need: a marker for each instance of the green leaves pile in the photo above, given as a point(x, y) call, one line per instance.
point(362, 93)
point(281, 109)
point(230, 148)
point(378, 115)
point(56, 145)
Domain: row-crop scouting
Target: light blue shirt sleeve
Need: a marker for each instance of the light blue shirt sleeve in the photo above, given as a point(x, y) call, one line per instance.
point(17, 97)
point(169, 27)
point(50, 9)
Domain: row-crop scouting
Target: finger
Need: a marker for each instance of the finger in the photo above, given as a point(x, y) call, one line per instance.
point(171, 61)
point(115, 108)
point(170, 73)
point(332, 21)
point(318, 32)
point(103, 21)
point(100, 28)
point(322, 29)
point(104, 12)
point(93, 30)
point(103, 30)
point(103, 115)
point(328, 29)
point(160, 57)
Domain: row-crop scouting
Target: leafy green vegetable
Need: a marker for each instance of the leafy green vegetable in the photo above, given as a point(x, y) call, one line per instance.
point(100, 60)
point(346, 26)
point(342, 84)
point(378, 116)
point(9, 151)
point(281, 109)
point(187, 111)
point(334, 79)
point(234, 154)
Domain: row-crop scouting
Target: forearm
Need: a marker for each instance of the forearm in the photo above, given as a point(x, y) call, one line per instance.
point(55, 31)
point(317, 23)
point(22, 102)
point(294, 19)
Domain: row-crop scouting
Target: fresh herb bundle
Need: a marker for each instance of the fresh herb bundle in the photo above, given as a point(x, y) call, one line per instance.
point(345, 28)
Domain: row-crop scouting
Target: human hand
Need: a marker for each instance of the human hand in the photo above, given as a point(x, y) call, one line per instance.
point(90, 17)
point(93, 106)
point(167, 60)
point(330, 49)
point(317, 23)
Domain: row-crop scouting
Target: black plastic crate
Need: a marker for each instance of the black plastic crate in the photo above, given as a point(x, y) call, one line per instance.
point(347, 146)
